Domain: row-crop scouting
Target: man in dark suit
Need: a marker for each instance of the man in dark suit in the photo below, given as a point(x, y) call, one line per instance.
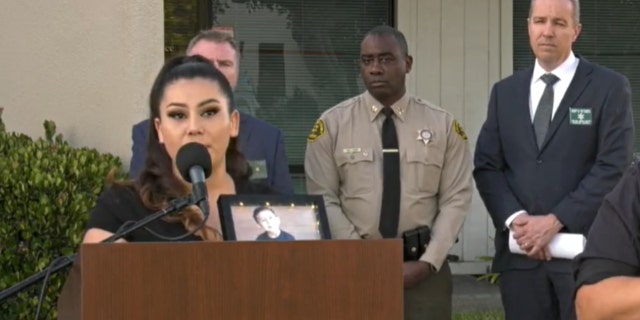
point(261, 143)
point(557, 138)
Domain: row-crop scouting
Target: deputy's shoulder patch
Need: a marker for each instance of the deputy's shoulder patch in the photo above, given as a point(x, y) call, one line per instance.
point(317, 131)
point(458, 128)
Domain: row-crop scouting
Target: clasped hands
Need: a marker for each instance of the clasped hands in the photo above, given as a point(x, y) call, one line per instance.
point(534, 233)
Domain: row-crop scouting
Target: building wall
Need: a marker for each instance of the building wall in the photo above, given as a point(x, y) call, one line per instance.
point(460, 48)
point(88, 65)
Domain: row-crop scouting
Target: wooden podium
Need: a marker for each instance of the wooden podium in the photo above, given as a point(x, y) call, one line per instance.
point(333, 279)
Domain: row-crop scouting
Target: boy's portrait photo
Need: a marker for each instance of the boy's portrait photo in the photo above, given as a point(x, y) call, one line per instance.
point(267, 219)
point(273, 218)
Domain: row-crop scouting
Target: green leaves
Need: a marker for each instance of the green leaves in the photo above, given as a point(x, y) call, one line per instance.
point(489, 276)
point(47, 189)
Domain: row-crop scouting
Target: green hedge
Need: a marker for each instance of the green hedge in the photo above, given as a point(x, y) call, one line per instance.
point(47, 189)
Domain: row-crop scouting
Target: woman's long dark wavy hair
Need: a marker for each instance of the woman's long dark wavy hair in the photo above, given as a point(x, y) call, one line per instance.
point(157, 184)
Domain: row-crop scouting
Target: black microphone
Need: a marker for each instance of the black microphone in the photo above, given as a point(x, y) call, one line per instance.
point(194, 163)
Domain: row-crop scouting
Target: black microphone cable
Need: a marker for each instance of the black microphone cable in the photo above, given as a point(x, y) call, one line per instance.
point(45, 282)
point(200, 226)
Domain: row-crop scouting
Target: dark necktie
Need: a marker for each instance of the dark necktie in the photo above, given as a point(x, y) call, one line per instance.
point(542, 118)
point(390, 210)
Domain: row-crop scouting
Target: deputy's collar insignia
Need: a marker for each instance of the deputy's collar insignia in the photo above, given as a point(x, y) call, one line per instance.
point(398, 110)
point(424, 135)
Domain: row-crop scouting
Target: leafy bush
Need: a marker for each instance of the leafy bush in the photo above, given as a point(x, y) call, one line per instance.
point(47, 189)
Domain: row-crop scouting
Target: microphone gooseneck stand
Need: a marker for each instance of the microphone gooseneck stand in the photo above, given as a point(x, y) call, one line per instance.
point(59, 264)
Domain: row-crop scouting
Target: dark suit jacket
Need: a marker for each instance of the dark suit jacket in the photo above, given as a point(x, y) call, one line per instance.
point(257, 140)
point(576, 166)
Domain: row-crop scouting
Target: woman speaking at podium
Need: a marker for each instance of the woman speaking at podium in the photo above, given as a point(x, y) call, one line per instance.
point(190, 101)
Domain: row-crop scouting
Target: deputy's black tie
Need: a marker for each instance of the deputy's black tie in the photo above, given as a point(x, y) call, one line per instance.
point(391, 178)
point(542, 118)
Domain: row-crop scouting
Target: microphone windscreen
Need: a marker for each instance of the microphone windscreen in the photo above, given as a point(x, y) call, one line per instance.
point(190, 155)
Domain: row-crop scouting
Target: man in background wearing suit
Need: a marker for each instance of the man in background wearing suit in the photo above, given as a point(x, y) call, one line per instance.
point(557, 138)
point(261, 143)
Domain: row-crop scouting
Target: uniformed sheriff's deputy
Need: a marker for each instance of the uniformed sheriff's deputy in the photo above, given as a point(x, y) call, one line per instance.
point(607, 272)
point(343, 162)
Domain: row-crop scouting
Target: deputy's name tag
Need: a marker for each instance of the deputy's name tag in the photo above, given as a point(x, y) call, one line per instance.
point(351, 150)
point(580, 116)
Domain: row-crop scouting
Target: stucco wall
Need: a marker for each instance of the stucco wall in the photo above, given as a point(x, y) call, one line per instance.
point(460, 49)
point(85, 64)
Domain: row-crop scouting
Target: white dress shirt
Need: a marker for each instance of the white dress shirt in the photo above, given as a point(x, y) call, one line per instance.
point(565, 73)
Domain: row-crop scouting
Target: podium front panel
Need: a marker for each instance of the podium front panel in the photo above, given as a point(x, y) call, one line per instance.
point(334, 279)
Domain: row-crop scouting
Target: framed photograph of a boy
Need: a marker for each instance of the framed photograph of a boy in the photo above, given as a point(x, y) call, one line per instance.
point(273, 217)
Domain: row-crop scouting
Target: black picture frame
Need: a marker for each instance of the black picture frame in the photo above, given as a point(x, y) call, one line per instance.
point(301, 217)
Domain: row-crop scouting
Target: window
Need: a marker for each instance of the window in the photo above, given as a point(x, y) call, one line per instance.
point(299, 58)
point(609, 37)
point(183, 19)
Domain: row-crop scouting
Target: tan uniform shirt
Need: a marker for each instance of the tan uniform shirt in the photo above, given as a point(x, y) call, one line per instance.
point(343, 162)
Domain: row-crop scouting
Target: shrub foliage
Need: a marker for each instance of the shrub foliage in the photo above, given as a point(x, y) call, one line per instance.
point(47, 189)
